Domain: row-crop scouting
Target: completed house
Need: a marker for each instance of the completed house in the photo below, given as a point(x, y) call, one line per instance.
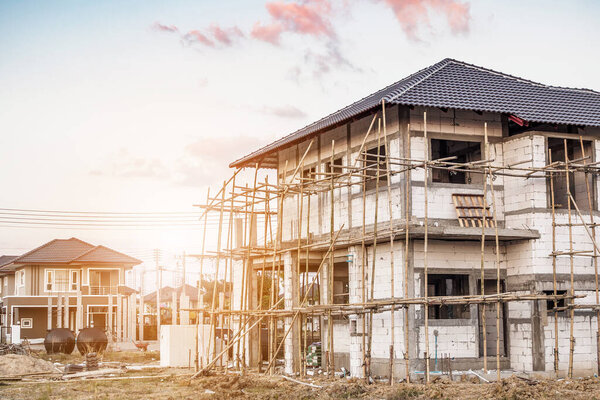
point(66, 283)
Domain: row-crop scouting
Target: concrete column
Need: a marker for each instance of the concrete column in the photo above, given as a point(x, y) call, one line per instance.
point(79, 312)
point(356, 283)
point(132, 315)
point(141, 317)
point(110, 317)
point(291, 300)
point(119, 298)
point(324, 297)
point(49, 322)
point(66, 312)
point(59, 311)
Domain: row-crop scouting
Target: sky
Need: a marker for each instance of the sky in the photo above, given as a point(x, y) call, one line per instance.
point(139, 106)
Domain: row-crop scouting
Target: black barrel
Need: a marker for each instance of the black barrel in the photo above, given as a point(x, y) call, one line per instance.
point(91, 340)
point(59, 340)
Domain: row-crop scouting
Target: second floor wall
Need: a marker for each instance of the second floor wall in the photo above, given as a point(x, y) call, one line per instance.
point(451, 133)
point(44, 280)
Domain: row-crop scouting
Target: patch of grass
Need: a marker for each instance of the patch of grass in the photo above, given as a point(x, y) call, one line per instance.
point(404, 394)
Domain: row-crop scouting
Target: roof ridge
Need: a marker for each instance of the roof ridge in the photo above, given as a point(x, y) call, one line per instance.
point(518, 78)
point(36, 249)
point(104, 247)
point(434, 69)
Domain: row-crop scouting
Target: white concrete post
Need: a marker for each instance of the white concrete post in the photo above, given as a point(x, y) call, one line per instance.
point(49, 322)
point(59, 311)
point(119, 317)
point(292, 361)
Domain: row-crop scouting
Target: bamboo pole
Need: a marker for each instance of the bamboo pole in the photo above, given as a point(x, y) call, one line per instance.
point(372, 277)
point(298, 265)
point(391, 221)
point(230, 239)
point(200, 315)
point(213, 342)
point(571, 256)
point(408, 201)
point(364, 270)
point(497, 243)
point(331, 270)
point(425, 242)
point(483, 225)
point(554, 255)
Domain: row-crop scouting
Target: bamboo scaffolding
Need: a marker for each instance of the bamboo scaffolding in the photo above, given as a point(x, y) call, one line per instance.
point(367, 170)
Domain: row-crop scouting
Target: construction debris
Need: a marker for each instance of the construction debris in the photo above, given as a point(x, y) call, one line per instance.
point(12, 365)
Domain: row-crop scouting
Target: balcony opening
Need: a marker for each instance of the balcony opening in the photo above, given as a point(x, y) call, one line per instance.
point(577, 180)
point(464, 152)
point(341, 283)
point(103, 282)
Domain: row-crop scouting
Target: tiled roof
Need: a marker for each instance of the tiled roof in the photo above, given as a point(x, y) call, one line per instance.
point(73, 250)
point(102, 254)
point(6, 263)
point(455, 84)
point(60, 251)
point(4, 260)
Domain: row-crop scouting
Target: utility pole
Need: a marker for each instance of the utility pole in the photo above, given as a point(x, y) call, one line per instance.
point(158, 285)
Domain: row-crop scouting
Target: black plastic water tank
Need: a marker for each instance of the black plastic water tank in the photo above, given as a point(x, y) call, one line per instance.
point(59, 340)
point(91, 340)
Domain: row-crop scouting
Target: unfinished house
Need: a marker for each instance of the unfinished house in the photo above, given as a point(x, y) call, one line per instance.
point(448, 216)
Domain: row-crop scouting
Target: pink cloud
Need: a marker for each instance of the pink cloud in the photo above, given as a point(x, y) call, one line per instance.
point(198, 37)
point(309, 17)
point(413, 13)
point(225, 36)
point(267, 33)
point(164, 28)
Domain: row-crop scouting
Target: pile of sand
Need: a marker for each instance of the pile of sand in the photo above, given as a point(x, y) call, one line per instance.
point(17, 364)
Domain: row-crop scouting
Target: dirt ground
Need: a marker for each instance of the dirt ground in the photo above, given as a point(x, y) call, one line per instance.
point(175, 383)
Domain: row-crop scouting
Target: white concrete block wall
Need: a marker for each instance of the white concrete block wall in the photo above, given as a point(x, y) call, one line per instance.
point(458, 341)
point(454, 255)
point(585, 350)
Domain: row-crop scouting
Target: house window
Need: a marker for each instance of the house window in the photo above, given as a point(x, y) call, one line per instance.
point(61, 280)
point(49, 280)
point(559, 303)
point(336, 167)
point(463, 152)
point(577, 180)
point(373, 157)
point(448, 285)
point(309, 173)
point(20, 278)
point(26, 323)
point(74, 280)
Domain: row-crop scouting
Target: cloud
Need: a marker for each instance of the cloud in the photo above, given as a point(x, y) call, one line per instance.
point(123, 164)
point(324, 62)
point(195, 36)
point(225, 36)
point(287, 111)
point(157, 26)
point(205, 161)
point(308, 17)
point(411, 14)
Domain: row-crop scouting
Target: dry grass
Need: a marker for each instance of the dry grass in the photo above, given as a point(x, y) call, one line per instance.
point(178, 386)
point(128, 357)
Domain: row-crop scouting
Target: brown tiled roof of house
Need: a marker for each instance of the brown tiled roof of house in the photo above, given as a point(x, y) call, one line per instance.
point(60, 251)
point(73, 251)
point(102, 254)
